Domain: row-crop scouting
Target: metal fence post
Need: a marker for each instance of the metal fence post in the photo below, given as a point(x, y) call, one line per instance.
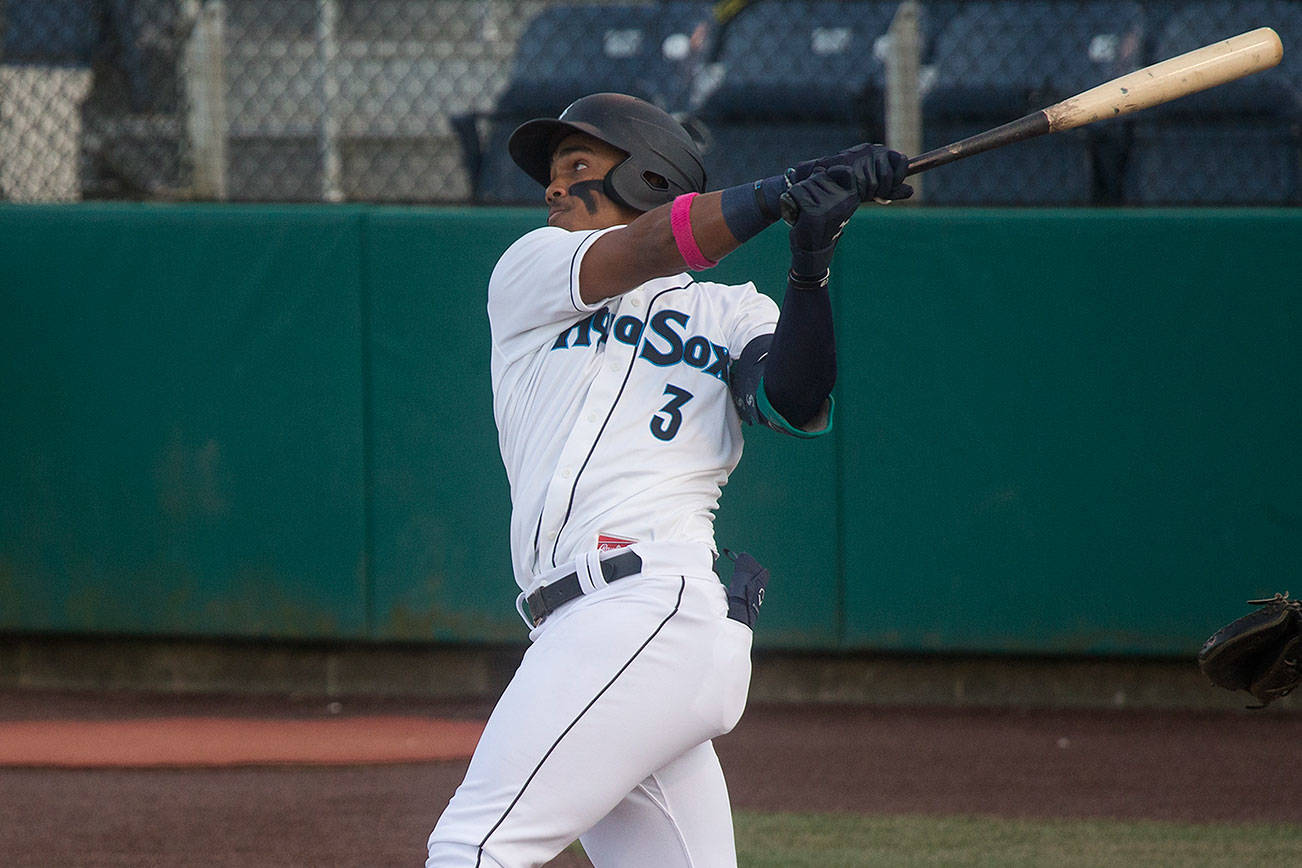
point(903, 92)
point(327, 57)
point(205, 83)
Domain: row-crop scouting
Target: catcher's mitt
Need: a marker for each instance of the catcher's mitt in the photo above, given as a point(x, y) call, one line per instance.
point(1260, 652)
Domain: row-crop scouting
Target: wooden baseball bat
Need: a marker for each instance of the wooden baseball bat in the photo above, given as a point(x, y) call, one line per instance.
point(1179, 76)
point(1200, 69)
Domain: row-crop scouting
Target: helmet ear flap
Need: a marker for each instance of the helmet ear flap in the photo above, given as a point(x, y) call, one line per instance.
point(640, 190)
point(608, 187)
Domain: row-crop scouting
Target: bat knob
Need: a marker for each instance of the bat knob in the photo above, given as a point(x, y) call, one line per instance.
point(790, 210)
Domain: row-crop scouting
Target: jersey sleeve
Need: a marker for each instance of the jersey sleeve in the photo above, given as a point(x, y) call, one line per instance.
point(535, 287)
point(753, 314)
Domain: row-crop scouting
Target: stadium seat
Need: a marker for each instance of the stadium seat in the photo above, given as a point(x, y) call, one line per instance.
point(1050, 170)
point(498, 180)
point(800, 59)
point(1237, 144)
point(739, 153)
point(49, 32)
point(569, 51)
point(649, 51)
point(996, 60)
point(1008, 57)
point(792, 79)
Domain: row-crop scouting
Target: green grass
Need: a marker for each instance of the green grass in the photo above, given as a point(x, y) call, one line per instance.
point(843, 841)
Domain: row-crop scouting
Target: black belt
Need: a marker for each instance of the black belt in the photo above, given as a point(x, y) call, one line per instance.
point(549, 598)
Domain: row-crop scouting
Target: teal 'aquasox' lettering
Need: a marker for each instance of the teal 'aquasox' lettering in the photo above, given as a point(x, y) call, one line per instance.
point(666, 341)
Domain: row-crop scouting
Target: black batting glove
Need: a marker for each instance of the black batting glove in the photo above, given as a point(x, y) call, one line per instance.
point(827, 199)
point(879, 172)
point(879, 175)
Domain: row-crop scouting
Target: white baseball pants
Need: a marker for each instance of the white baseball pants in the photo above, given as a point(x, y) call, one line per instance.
point(604, 735)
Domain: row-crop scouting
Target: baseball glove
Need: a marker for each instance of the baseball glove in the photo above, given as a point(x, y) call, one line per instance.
point(1260, 652)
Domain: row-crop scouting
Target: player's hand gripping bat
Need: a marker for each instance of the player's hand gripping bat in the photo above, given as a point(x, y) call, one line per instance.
point(1197, 70)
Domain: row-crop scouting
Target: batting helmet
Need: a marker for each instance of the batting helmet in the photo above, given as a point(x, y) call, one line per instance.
point(663, 160)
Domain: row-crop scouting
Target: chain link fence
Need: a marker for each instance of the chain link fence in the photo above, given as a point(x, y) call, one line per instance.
point(411, 100)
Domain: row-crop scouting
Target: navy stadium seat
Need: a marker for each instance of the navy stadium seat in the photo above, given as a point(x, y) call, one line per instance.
point(650, 51)
point(1237, 144)
point(1049, 170)
point(742, 152)
point(792, 80)
point(498, 180)
point(996, 61)
point(569, 51)
point(1004, 58)
point(800, 59)
point(49, 32)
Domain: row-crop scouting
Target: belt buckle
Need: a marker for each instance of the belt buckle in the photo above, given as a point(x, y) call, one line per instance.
point(539, 618)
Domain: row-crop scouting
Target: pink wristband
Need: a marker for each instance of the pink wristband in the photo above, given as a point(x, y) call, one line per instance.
point(680, 220)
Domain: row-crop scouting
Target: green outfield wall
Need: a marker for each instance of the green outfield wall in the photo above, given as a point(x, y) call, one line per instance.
point(1057, 432)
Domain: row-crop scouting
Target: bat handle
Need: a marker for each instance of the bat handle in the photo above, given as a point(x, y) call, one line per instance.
point(930, 160)
point(1026, 127)
point(790, 210)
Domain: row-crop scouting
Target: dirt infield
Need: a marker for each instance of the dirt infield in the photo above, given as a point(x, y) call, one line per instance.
point(212, 742)
point(1177, 765)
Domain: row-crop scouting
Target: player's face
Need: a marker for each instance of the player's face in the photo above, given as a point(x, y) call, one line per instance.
point(575, 197)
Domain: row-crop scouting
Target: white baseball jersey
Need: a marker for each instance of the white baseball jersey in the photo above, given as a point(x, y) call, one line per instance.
point(615, 418)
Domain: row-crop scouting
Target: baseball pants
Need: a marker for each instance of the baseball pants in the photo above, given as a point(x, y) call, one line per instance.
point(604, 732)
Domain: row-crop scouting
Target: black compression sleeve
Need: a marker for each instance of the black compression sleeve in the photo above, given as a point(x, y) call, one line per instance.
point(801, 366)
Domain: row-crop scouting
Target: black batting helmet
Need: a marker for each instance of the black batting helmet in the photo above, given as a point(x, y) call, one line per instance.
point(663, 160)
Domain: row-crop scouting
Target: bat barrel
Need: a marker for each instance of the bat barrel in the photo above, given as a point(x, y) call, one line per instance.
point(1191, 72)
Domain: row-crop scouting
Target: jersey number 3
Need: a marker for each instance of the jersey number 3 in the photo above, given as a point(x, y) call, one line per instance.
point(665, 426)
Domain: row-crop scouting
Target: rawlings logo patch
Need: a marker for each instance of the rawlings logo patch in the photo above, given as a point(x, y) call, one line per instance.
point(608, 543)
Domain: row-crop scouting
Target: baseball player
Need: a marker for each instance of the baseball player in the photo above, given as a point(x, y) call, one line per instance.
point(620, 386)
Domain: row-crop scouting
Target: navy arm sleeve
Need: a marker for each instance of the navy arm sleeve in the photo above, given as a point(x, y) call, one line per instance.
point(790, 373)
